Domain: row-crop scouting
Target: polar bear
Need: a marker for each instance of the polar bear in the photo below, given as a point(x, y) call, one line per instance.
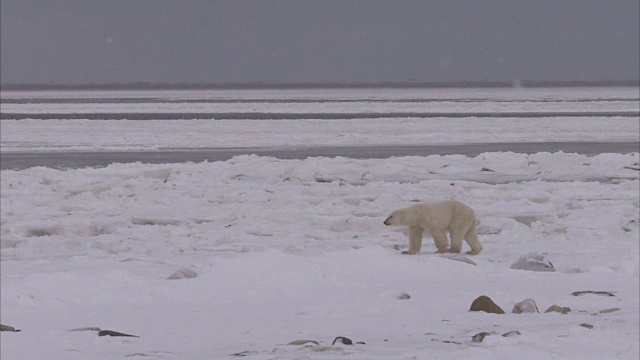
point(436, 219)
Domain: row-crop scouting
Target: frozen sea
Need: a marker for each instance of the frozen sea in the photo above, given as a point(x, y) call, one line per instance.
point(268, 250)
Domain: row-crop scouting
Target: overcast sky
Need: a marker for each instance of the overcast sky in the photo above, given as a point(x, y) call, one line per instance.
point(209, 41)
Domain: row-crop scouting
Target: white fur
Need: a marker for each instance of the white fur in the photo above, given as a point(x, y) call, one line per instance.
point(437, 219)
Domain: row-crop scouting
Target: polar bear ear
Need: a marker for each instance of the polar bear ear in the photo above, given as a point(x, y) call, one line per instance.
point(402, 212)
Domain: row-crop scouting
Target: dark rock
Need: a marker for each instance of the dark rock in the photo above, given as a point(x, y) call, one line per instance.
point(244, 353)
point(342, 340)
point(585, 325)
point(525, 306)
point(512, 333)
point(404, 296)
point(448, 341)
point(8, 328)
point(113, 333)
point(603, 293)
point(484, 303)
point(184, 273)
point(560, 309)
point(606, 311)
point(479, 337)
point(90, 328)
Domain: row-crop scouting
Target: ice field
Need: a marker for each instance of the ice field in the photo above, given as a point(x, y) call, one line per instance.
point(179, 119)
point(264, 251)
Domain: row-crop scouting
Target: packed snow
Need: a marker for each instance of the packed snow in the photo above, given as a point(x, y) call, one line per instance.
point(265, 258)
point(287, 250)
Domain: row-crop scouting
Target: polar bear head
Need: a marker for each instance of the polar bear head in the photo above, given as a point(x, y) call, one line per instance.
point(410, 216)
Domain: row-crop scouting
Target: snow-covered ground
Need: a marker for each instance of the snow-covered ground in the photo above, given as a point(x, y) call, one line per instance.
point(295, 249)
point(289, 250)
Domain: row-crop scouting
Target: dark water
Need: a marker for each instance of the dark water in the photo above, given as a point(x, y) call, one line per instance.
point(64, 160)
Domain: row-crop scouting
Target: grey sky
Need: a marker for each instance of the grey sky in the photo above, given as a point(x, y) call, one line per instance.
point(121, 41)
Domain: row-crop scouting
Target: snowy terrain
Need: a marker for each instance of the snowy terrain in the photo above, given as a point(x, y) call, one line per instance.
point(292, 250)
point(287, 250)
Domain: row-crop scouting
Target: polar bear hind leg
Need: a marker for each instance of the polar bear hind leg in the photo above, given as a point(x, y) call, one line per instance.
point(458, 229)
point(441, 240)
point(472, 239)
point(457, 235)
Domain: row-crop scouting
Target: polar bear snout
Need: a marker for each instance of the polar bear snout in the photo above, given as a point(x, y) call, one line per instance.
point(388, 221)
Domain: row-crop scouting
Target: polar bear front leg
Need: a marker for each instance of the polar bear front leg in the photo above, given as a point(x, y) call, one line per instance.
point(415, 240)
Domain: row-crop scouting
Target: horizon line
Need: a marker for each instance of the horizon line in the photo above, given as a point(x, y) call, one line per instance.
point(315, 85)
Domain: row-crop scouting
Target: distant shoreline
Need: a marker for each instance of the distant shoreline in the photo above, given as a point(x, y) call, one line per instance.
point(20, 160)
point(327, 85)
